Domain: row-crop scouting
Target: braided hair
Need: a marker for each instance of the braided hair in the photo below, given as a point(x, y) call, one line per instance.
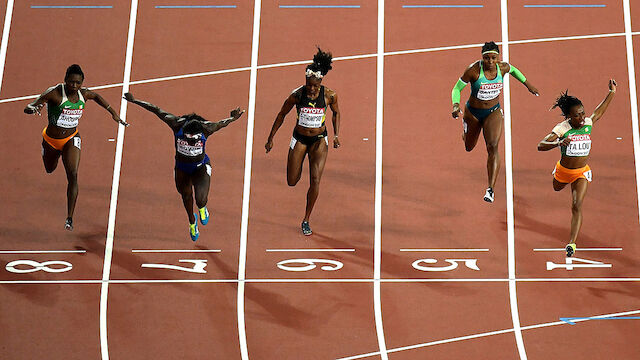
point(490, 46)
point(193, 124)
point(321, 64)
point(74, 69)
point(565, 102)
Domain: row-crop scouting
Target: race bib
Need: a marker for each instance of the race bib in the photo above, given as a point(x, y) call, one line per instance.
point(69, 118)
point(186, 149)
point(489, 91)
point(580, 145)
point(311, 117)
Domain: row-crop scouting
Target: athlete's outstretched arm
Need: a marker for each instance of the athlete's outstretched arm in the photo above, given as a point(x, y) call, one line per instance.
point(167, 117)
point(36, 105)
point(286, 107)
point(602, 107)
point(513, 71)
point(335, 118)
point(90, 95)
point(210, 127)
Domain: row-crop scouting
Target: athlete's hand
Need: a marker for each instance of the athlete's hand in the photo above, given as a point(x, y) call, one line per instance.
point(30, 109)
point(533, 90)
point(268, 145)
point(612, 85)
point(236, 113)
point(129, 97)
point(120, 121)
point(336, 142)
point(456, 111)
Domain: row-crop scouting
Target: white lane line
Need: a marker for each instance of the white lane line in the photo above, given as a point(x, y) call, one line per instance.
point(361, 280)
point(377, 252)
point(352, 57)
point(508, 160)
point(175, 251)
point(246, 192)
point(43, 251)
point(581, 249)
point(8, 15)
point(328, 250)
point(485, 334)
point(443, 250)
point(633, 96)
point(108, 251)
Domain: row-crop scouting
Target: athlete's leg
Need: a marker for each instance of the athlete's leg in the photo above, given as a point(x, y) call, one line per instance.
point(578, 190)
point(557, 185)
point(183, 185)
point(201, 180)
point(492, 130)
point(71, 161)
point(50, 157)
point(317, 158)
point(471, 129)
point(294, 162)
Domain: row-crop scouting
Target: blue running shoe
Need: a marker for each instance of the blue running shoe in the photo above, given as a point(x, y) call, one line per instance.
point(193, 231)
point(204, 215)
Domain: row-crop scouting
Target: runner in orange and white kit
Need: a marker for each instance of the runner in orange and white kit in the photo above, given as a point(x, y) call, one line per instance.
point(310, 133)
point(573, 135)
point(65, 105)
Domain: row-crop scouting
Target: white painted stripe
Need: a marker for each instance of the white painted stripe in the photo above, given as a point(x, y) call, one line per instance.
point(175, 251)
point(8, 15)
point(633, 96)
point(377, 246)
point(444, 250)
point(352, 57)
point(108, 251)
point(485, 334)
point(361, 280)
point(508, 159)
point(246, 192)
point(328, 250)
point(580, 249)
point(43, 251)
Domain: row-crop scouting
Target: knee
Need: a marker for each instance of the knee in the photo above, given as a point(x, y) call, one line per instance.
point(49, 170)
point(576, 206)
point(468, 148)
point(72, 176)
point(315, 181)
point(492, 148)
point(186, 194)
point(291, 181)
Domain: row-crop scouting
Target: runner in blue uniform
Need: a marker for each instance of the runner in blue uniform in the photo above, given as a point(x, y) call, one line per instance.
point(482, 110)
point(193, 167)
point(310, 133)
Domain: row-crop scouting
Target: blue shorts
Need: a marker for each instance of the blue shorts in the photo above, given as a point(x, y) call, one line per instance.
point(482, 114)
point(191, 168)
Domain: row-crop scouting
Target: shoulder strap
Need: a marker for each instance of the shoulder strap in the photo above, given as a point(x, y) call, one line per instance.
point(64, 95)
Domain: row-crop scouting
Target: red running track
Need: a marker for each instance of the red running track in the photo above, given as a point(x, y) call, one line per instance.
point(431, 195)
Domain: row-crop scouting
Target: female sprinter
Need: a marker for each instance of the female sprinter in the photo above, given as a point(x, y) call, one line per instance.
point(481, 111)
point(193, 167)
point(65, 104)
point(573, 135)
point(310, 133)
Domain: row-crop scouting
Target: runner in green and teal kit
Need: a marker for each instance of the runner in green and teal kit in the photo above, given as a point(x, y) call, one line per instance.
point(573, 135)
point(481, 112)
point(65, 105)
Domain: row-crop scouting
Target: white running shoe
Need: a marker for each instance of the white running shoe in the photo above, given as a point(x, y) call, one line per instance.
point(488, 195)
